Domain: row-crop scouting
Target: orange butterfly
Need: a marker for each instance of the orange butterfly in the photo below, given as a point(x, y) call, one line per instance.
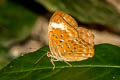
point(67, 41)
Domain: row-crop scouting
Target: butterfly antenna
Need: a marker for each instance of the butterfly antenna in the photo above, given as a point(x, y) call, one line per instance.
point(39, 59)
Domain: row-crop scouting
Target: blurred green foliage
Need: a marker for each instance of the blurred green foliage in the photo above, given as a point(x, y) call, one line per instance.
point(16, 22)
point(5, 57)
point(87, 11)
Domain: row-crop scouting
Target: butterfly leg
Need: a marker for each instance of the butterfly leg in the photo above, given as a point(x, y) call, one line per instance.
point(68, 63)
point(52, 61)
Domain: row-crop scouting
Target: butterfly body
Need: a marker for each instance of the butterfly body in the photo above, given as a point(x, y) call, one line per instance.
point(67, 41)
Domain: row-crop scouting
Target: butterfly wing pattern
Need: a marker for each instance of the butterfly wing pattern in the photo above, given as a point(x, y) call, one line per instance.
point(67, 41)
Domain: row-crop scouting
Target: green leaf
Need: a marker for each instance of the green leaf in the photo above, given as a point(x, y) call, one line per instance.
point(5, 57)
point(87, 11)
point(105, 65)
point(16, 22)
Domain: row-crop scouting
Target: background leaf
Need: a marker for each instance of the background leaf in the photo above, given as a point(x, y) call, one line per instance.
point(105, 65)
point(87, 11)
point(5, 56)
point(16, 22)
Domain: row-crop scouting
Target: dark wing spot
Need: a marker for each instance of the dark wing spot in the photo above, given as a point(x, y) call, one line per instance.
point(62, 35)
point(75, 47)
point(61, 40)
point(55, 35)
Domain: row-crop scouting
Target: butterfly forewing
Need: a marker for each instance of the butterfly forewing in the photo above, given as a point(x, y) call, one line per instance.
point(66, 17)
point(64, 39)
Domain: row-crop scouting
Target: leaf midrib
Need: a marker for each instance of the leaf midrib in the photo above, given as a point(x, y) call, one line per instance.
point(83, 66)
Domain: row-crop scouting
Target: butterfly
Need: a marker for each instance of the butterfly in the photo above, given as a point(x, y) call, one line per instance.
point(67, 41)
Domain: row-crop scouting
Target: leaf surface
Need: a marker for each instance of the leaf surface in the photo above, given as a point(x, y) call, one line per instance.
point(105, 65)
